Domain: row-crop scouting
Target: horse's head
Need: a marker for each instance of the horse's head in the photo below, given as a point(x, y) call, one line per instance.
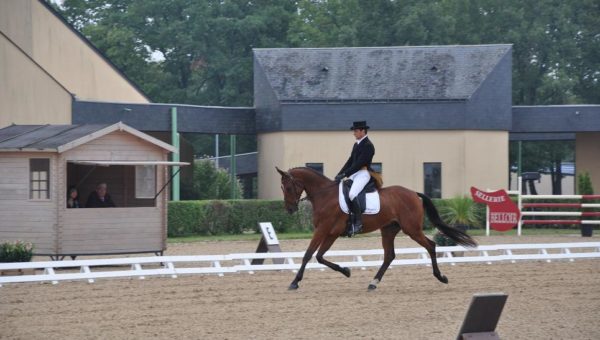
point(292, 190)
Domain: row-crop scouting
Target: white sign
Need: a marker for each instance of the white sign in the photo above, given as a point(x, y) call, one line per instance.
point(269, 233)
point(145, 181)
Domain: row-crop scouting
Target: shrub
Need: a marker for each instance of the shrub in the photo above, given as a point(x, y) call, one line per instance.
point(584, 184)
point(16, 251)
point(214, 217)
point(460, 211)
point(210, 182)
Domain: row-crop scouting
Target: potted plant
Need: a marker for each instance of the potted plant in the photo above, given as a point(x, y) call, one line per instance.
point(15, 252)
point(459, 212)
point(584, 187)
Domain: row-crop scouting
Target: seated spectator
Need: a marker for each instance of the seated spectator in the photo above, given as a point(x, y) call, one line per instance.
point(73, 198)
point(100, 198)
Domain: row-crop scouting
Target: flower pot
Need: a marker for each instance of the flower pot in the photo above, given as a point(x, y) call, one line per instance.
point(587, 230)
point(17, 272)
point(461, 227)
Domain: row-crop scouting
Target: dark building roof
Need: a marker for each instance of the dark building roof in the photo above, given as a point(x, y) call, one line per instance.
point(43, 137)
point(157, 117)
point(393, 88)
point(556, 118)
point(378, 73)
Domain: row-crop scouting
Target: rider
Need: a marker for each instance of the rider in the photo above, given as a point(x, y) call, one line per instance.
point(357, 168)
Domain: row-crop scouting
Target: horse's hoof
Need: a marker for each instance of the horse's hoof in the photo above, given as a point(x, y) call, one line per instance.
point(293, 286)
point(371, 287)
point(346, 271)
point(443, 279)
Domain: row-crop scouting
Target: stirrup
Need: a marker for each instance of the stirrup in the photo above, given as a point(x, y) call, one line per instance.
point(354, 230)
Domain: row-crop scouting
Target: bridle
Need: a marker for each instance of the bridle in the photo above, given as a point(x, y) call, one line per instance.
point(295, 188)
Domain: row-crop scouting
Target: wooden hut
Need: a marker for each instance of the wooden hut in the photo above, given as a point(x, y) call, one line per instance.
point(38, 163)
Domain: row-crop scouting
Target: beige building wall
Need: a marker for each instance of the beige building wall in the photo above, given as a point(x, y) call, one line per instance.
point(469, 158)
point(587, 156)
point(28, 95)
point(63, 55)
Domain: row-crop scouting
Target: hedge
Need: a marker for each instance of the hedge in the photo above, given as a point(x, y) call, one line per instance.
point(214, 217)
point(217, 217)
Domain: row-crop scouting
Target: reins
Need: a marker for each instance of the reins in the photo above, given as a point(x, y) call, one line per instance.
point(307, 197)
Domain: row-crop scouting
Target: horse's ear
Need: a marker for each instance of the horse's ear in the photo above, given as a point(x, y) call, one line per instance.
point(282, 173)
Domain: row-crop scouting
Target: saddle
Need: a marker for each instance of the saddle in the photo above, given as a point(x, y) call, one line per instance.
point(370, 187)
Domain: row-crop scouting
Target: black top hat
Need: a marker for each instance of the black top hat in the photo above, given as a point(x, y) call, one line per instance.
point(359, 125)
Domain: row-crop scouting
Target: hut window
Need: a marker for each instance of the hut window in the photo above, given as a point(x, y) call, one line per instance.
point(39, 178)
point(145, 181)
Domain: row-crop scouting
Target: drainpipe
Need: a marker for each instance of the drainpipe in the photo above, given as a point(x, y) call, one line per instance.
point(519, 160)
point(233, 170)
point(175, 155)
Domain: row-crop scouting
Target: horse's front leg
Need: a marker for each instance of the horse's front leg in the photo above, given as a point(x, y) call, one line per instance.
point(312, 247)
point(325, 245)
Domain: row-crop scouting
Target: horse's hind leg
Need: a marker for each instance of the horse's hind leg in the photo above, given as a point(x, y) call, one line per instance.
point(388, 234)
point(428, 244)
point(325, 245)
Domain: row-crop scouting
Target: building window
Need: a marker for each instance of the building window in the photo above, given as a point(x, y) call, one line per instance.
point(315, 166)
point(432, 174)
point(377, 167)
point(39, 178)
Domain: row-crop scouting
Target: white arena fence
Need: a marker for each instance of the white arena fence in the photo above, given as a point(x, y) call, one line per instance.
point(173, 266)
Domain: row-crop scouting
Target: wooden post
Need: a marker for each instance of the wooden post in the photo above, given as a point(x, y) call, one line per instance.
point(268, 243)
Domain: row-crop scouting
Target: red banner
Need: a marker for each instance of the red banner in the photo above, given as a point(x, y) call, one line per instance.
point(504, 213)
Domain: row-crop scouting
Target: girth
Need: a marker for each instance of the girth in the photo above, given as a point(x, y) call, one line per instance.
point(362, 196)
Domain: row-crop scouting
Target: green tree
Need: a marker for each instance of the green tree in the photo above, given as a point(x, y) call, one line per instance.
point(206, 46)
point(556, 54)
point(544, 156)
point(210, 183)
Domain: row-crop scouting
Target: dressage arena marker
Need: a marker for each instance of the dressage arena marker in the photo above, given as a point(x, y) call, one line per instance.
point(268, 243)
point(482, 317)
point(142, 267)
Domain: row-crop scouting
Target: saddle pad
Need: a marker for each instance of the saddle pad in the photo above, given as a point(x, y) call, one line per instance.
point(372, 199)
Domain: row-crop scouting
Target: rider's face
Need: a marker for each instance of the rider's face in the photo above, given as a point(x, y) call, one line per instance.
point(359, 133)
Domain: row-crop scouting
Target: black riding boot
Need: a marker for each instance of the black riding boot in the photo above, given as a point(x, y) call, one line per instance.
point(357, 218)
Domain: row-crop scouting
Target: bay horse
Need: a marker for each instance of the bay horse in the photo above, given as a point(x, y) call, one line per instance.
point(401, 209)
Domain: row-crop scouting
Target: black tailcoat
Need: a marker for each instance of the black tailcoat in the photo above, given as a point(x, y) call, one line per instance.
point(362, 155)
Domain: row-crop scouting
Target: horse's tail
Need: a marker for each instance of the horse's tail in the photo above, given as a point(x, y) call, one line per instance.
point(457, 235)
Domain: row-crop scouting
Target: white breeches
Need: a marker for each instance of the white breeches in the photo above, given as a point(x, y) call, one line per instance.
point(360, 178)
